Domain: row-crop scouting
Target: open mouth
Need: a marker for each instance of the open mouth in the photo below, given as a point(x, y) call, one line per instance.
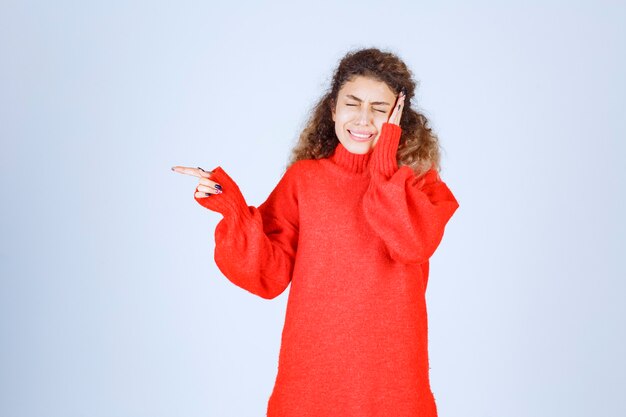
point(361, 136)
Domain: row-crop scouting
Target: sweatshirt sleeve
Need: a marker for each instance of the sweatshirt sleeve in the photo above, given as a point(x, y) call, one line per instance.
point(409, 213)
point(255, 247)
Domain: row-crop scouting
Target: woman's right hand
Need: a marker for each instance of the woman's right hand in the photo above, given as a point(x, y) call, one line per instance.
point(206, 186)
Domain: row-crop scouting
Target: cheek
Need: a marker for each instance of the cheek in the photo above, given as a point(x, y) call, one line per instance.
point(338, 124)
point(342, 116)
point(379, 120)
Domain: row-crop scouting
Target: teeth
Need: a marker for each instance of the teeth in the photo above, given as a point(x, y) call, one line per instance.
point(359, 135)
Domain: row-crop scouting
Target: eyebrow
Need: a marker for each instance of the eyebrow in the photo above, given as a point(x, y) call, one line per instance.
point(374, 103)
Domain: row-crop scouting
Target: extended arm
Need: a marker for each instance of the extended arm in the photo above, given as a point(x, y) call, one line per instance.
point(255, 247)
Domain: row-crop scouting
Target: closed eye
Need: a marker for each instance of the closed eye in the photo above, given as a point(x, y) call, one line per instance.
point(378, 110)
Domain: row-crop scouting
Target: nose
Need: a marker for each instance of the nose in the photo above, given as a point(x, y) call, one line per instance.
point(365, 116)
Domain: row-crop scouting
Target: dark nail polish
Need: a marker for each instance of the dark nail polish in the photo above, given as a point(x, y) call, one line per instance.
point(403, 91)
point(207, 194)
point(218, 187)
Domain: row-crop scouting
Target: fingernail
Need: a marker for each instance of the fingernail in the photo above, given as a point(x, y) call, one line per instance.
point(218, 187)
point(173, 169)
point(201, 169)
point(207, 194)
point(403, 91)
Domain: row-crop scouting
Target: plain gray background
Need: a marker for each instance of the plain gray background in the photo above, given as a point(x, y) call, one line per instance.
point(110, 301)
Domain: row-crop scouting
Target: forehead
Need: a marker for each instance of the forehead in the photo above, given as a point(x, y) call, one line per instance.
point(367, 88)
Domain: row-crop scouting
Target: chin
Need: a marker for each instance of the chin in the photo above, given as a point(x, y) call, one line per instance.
point(358, 148)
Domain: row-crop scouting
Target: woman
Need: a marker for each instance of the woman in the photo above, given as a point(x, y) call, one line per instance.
point(351, 225)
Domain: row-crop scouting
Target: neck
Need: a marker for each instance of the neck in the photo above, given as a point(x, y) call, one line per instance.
point(352, 162)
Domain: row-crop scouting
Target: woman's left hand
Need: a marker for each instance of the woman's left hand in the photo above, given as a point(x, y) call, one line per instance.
point(396, 114)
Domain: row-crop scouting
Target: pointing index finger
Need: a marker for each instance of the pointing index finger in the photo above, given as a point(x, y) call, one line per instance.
point(196, 172)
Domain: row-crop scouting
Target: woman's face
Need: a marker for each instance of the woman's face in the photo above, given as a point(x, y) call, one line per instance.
point(363, 105)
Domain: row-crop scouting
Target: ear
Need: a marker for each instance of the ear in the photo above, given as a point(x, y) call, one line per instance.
point(332, 109)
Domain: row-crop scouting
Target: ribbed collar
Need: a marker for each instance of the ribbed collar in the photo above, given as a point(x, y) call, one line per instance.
point(352, 162)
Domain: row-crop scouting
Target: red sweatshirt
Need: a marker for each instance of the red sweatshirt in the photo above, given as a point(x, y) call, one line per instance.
point(353, 234)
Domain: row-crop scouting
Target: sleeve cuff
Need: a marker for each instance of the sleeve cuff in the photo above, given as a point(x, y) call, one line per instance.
point(230, 202)
point(383, 160)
